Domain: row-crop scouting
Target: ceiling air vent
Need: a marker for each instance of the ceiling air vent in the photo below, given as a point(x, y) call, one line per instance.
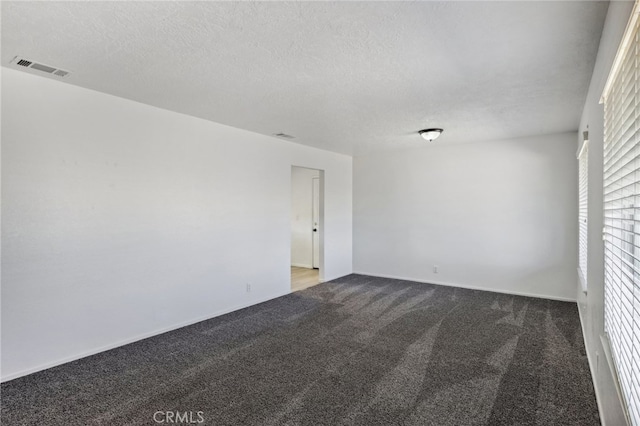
point(283, 135)
point(26, 63)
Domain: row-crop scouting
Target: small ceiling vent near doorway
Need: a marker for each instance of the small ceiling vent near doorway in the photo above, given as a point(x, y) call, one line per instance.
point(27, 63)
point(283, 135)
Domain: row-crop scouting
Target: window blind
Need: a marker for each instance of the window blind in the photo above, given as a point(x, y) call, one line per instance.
point(622, 219)
point(583, 171)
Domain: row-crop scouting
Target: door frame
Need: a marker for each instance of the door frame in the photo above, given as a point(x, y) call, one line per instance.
point(321, 200)
point(315, 230)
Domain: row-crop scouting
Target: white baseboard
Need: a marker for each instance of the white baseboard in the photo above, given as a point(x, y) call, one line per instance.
point(606, 350)
point(135, 339)
point(470, 287)
point(603, 348)
point(302, 265)
point(591, 369)
point(242, 306)
point(326, 280)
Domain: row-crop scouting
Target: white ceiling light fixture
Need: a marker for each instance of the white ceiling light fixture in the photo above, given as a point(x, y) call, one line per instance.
point(430, 134)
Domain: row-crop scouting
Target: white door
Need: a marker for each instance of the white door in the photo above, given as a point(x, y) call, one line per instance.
point(316, 222)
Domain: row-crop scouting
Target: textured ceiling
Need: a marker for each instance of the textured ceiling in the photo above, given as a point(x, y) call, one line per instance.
point(350, 77)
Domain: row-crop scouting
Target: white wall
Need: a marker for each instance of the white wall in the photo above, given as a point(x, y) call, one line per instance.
point(493, 215)
point(302, 216)
point(122, 220)
point(592, 304)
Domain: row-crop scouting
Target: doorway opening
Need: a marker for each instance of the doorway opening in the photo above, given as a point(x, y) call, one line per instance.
point(307, 227)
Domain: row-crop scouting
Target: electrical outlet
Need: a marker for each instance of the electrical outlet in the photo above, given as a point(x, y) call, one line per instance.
point(248, 288)
point(435, 269)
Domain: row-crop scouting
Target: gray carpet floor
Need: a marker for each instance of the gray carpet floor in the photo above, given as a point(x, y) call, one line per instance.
point(355, 351)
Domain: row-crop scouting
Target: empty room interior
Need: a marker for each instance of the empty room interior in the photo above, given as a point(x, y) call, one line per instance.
point(320, 213)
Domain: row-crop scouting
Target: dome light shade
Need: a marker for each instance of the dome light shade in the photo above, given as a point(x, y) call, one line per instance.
point(430, 134)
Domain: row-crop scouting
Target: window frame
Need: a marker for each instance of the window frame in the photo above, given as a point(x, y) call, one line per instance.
point(621, 228)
